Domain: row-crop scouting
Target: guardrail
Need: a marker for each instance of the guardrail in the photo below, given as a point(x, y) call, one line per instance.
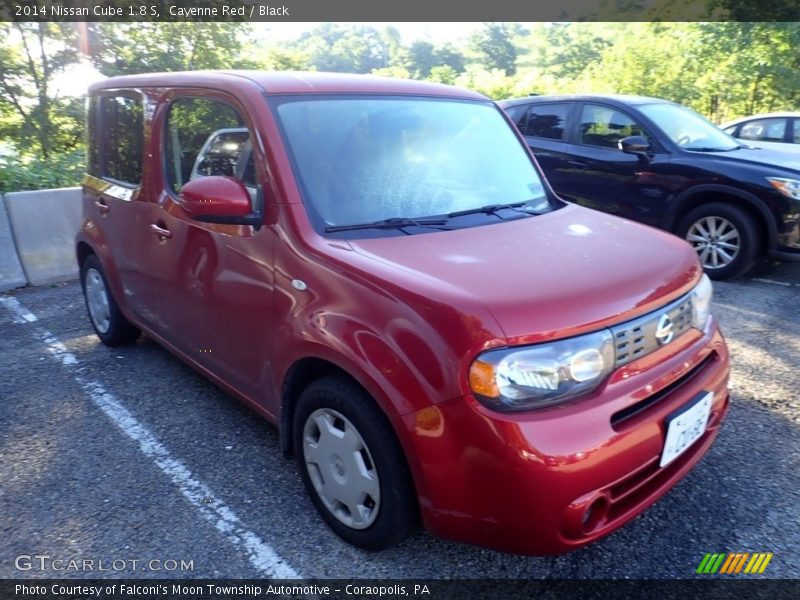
point(37, 237)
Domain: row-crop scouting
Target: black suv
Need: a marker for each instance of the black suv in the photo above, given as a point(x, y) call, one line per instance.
point(662, 164)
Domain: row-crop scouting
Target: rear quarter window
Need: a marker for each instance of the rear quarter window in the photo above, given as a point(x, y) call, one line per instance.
point(121, 134)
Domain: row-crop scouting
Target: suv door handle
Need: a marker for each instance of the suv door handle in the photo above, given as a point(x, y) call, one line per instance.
point(102, 206)
point(160, 231)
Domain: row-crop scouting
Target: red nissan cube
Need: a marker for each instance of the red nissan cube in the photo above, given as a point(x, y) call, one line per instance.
point(379, 268)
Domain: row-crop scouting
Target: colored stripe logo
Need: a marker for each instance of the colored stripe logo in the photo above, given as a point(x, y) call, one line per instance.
point(733, 563)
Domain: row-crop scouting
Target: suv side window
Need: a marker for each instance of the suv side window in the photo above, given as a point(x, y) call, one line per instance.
point(603, 126)
point(206, 137)
point(545, 121)
point(123, 125)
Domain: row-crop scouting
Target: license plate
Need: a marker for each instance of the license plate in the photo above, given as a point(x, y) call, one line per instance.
point(685, 426)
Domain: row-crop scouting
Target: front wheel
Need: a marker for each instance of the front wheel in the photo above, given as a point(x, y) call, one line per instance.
point(724, 237)
point(352, 465)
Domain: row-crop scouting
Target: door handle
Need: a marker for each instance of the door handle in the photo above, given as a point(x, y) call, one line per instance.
point(160, 231)
point(578, 164)
point(102, 206)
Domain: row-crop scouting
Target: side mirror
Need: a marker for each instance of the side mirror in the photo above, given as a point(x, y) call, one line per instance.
point(634, 144)
point(217, 199)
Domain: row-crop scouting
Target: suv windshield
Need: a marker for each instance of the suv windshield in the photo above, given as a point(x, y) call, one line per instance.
point(390, 161)
point(688, 129)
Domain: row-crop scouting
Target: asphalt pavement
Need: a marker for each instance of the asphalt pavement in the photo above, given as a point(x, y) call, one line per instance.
point(130, 459)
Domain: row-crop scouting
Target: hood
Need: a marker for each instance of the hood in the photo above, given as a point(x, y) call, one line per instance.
point(761, 157)
point(547, 276)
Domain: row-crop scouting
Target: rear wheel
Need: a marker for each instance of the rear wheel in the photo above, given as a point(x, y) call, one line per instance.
point(724, 236)
point(352, 465)
point(110, 326)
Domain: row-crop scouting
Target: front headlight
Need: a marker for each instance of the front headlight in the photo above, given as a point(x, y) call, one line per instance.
point(701, 303)
point(787, 187)
point(534, 376)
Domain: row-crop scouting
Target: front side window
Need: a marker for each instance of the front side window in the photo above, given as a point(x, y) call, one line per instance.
point(363, 159)
point(206, 137)
point(764, 130)
point(123, 128)
point(605, 127)
point(796, 131)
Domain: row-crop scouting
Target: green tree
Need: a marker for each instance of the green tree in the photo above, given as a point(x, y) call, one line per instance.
point(344, 48)
point(493, 45)
point(121, 49)
point(421, 58)
point(31, 113)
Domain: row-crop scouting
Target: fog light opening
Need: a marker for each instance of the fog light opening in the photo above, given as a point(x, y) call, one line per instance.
point(595, 514)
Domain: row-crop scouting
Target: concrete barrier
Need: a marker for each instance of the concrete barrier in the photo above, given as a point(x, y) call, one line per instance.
point(44, 224)
point(11, 274)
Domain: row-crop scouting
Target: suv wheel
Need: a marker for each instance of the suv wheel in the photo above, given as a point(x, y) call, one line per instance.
point(107, 320)
point(724, 237)
point(352, 465)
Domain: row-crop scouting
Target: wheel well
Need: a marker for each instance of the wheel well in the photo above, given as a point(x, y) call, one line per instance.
point(711, 197)
point(83, 251)
point(300, 376)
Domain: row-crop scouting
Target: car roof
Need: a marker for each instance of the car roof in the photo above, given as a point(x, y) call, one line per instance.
point(772, 115)
point(287, 82)
point(624, 99)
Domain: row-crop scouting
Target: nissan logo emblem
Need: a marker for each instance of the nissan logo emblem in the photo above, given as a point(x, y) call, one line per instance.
point(664, 332)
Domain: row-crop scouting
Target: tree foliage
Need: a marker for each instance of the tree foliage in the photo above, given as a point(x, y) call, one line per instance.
point(126, 48)
point(493, 45)
point(722, 69)
point(31, 112)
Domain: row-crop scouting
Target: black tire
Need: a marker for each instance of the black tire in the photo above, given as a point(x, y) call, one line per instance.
point(735, 224)
point(113, 329)
point(395, 513)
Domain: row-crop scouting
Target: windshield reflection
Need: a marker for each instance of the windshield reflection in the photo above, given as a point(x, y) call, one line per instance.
point(363, 160)
point(689, 130)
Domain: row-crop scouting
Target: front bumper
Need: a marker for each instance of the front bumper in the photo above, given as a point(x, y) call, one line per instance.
point(553, 480)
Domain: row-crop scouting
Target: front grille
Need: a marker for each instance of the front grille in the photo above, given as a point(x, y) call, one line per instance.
point(619, 418)
point(637, 338)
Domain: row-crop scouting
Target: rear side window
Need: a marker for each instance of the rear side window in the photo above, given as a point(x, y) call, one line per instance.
point(122, 122)
point(796, 131)
point(545, 121)
point(206, 137)
point(603, 126)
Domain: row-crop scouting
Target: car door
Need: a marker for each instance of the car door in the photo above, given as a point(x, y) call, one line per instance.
point(216, 302)
point(597, 174)
point(116, 188)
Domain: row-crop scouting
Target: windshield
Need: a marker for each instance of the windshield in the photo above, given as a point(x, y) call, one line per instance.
point(364, 160)
point(688, 129)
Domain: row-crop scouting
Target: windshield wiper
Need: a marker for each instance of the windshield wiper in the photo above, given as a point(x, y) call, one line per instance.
point(393, 223)
point(492, 209)
point(711, 149)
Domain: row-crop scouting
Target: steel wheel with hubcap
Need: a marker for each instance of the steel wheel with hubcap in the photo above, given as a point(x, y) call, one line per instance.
point(724, 237)
point(108, 322)
point(341, 468)
point(97, 300)
point(352, 464)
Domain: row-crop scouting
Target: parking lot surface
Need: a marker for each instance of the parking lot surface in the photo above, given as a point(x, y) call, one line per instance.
point(127, 456)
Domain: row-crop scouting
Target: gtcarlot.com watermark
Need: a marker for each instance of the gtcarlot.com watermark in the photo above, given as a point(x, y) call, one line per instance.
point(45, 562)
